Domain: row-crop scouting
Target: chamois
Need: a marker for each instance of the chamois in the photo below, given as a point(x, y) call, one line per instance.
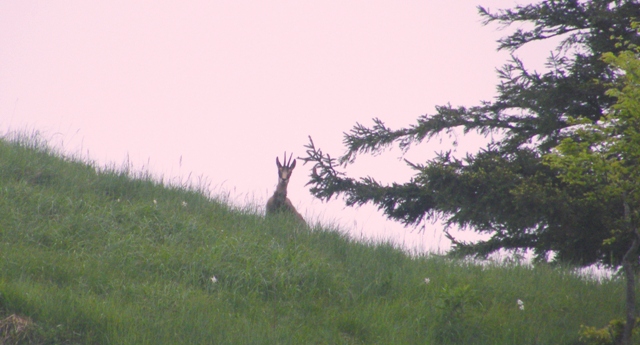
point(279, 203)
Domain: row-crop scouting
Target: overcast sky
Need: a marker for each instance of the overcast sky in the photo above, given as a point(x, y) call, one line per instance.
point(218, 89)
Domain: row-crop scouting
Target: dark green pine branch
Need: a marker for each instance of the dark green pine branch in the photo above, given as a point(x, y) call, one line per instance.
point(504, 189)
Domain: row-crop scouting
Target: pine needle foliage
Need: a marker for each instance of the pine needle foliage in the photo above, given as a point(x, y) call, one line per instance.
point(504, 189)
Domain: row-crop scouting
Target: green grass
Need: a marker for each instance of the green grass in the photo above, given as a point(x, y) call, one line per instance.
point(106, 256)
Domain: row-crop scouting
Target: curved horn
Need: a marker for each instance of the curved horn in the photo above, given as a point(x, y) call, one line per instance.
point(286, 163)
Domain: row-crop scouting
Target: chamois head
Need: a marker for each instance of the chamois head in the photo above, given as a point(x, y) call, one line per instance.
point(284, 171)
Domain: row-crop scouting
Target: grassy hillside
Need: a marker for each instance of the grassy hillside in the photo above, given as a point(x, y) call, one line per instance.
point(94, 256)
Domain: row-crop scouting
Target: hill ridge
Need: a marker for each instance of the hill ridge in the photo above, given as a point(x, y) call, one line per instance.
point(101, 255)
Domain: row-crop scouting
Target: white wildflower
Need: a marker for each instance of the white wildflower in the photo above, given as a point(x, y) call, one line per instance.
point(184, 204)
point(214, 279)
point(427, 281)
point(520, 304)
point(155, 202)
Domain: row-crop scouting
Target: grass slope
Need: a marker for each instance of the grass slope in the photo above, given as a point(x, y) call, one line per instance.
point(94, 256)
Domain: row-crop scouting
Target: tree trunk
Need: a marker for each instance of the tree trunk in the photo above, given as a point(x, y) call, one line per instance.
point(630, 276)
point(628, 263)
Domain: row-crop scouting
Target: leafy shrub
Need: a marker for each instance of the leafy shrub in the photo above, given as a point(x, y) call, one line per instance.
point(453, 322)
point(608, 335)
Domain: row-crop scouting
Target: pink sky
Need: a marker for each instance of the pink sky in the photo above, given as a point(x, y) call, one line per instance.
point(225, 86)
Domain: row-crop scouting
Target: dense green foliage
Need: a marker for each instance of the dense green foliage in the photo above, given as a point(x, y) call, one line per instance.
point(505, 189)
point(96, 256)
point(605, 155)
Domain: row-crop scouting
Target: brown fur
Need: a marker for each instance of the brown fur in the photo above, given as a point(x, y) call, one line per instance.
point(279, 203)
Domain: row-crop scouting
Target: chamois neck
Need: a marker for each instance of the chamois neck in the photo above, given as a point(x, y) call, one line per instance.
point(282, 188)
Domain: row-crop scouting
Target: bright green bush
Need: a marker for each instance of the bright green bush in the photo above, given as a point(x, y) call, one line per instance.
point(608, 335)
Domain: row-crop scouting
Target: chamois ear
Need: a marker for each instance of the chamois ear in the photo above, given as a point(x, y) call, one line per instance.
point(293, 165)
point(278, 163)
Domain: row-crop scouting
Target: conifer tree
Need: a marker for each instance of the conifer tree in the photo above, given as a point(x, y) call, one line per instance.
point(505, 189)
point(605, 155)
